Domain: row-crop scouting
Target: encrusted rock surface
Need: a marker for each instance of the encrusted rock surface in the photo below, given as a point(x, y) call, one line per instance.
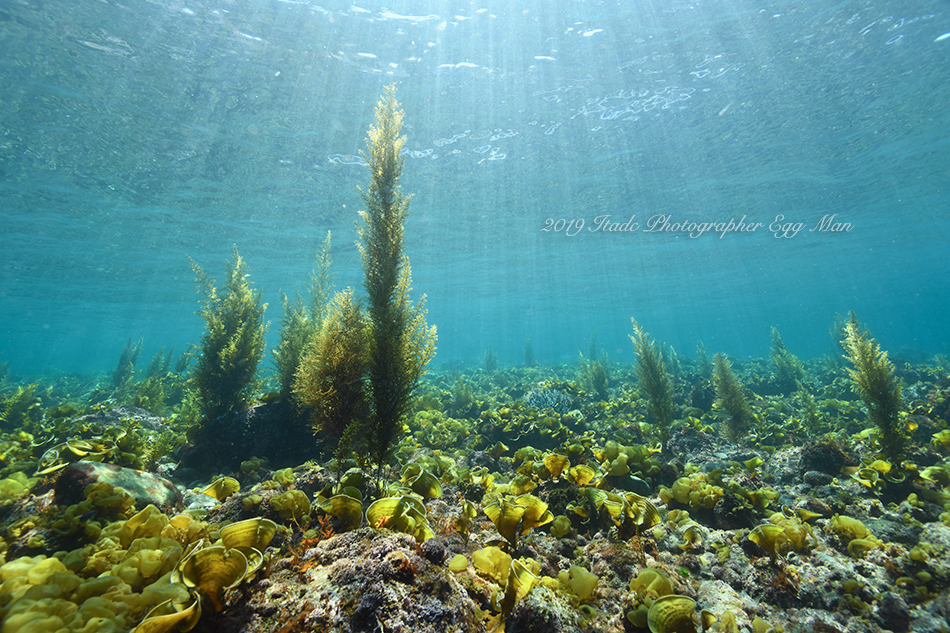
point(143, 486)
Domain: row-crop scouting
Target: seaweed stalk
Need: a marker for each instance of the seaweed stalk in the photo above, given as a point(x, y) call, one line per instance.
point(788, 369)
point(332, 375)
point(703, 366)
point(233, 342)
point(654, 377)
point(402, 343)
point(873, 379)
point(731, 398)
point(126, 367)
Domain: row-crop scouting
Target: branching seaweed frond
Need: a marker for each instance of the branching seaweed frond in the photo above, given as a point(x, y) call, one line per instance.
point(873, 380)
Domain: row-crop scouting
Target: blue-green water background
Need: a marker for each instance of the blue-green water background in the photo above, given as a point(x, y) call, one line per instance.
point(133, 133)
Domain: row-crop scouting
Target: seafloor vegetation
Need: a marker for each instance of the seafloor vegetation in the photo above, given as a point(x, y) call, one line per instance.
point(345, 489)
point(534, 498)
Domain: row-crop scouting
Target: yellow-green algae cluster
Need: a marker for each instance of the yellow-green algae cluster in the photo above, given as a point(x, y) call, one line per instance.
point(112, 582)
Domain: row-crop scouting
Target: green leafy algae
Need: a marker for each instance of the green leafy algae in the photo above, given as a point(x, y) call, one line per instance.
point(873, 379)
point(233, 342)
point(402, 344)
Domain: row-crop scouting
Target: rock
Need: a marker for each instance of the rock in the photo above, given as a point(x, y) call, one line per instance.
point(784, 466)
point(890, 528)
point(433, 550)
point(542, 611)
point(144, 487)
point(717, 596)
point(817, 478)
point(120, 416)
point(364, 580)
point(827, 456)
point(690, 444)
point(927, 623)
point(632, 484)
point(936, 537)
point(893, 612)
point(818, 506)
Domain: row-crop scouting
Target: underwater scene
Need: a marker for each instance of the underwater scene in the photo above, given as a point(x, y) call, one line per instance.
point(550, 316)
